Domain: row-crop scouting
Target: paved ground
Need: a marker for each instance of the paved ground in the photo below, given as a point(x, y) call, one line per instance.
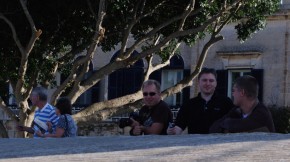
point(214, 147)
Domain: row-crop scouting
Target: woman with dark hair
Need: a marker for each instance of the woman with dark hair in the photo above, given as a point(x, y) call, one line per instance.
point(66, 126)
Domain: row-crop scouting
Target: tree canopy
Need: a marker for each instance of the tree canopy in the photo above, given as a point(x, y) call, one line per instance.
point(40, 38)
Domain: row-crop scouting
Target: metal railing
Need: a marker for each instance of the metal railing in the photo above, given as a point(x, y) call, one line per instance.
point(77, 108)
point(126, 115)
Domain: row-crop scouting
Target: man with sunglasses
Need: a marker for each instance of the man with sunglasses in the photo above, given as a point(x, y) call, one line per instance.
point(155, 115)
point(200, 112)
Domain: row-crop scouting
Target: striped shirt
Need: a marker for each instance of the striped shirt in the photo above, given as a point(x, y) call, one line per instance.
point(47, 113)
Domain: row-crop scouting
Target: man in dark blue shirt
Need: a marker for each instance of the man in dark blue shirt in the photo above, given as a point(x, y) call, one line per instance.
point(199, 113)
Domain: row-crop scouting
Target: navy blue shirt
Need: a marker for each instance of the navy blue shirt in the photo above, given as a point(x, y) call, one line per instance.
point(198, 115)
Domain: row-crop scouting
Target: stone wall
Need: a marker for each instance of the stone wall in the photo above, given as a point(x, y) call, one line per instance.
point(101, 129)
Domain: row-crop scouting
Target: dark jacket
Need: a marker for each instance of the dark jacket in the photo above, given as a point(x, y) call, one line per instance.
point(198, 115)
point(260, 120)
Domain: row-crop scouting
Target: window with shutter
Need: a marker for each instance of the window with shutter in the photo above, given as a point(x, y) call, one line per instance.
point(126, 80)
point(226, 79)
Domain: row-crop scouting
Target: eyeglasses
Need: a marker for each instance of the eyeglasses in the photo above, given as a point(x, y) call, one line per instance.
point(149, 93)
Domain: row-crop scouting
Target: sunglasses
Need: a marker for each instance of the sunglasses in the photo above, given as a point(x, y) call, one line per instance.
point(150, 94)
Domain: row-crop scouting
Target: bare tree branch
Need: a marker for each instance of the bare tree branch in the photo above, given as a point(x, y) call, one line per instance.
point(98, 36)
point(34, 33)
point(131, 25)
point(89, 111)
point(161, 65)
point(15, 37)
point(149, 59)
point(3, 130)
point(186, 13)
point(92, 109)
point(25, 54)
point(112, 66)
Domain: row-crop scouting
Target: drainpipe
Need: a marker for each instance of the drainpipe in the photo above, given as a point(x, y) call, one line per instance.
point(285, 89)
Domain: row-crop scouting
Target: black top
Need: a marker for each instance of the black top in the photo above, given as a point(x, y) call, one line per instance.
point(198, 115)
point(159, 113)
point(260, 120)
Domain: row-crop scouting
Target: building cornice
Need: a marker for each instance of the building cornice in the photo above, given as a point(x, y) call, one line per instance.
point(282, 14)
point(238, 53)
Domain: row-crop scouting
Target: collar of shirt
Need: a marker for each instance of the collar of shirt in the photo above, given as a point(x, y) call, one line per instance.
point(44, 107)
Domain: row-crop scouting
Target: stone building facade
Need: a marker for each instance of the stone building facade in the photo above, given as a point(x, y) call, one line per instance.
point(265, 55)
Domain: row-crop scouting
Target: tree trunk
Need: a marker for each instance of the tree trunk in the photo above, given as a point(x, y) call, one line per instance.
point(26, 117)
point(3, 130)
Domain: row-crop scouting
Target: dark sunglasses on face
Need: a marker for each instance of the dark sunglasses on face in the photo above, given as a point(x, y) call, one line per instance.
point(150, 93)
